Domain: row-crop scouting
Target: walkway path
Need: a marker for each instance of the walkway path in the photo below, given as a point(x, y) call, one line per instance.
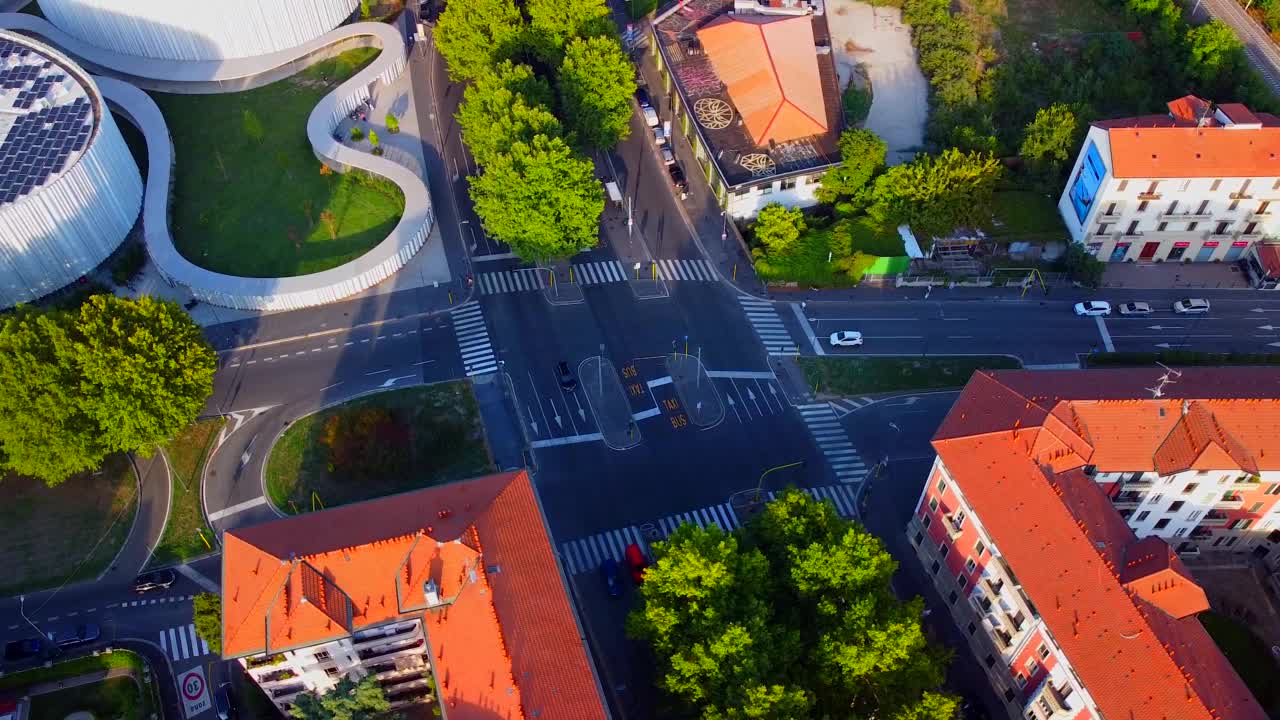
point(378, 264)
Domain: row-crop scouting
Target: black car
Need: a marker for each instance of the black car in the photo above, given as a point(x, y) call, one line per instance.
point(678, 180)
point(158, 580)
point(79, 635)
point(222, 701)
point(568, 382)
point(642, 96)
point(23, 649)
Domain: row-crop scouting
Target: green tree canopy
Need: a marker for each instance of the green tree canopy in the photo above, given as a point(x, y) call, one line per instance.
point(862, 155)
point(789, 617)
point(505, 107)
point(597, 81)
point(348, 700)
point(778, 228)
point(474, 36)
point(208, 620)
point(935, 194)
point(115, 375)
point(1213, 51)
point(540, 199)
point(553, 23)
point(1050, 138)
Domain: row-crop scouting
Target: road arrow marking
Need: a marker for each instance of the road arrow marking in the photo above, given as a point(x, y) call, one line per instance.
point(1164, 327)
point(1262, 310)
point(1268, 328)
point(750, 395)
point(559, 420)
point(392, 381)
point(536, 431)
point(1166, 346)
point(1274, 344)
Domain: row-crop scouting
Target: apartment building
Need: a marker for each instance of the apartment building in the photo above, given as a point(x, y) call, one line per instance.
point(458, 582)
point(1046, 526)
point(1199, 184)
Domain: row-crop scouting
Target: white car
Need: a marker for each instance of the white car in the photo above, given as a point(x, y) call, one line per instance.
point(846, 338)
point(1093, 307)
point(1191, 306)
point(1135, 308)
point(668, 157)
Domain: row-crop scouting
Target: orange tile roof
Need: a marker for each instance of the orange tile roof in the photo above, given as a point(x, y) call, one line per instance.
point(1122, 609)
point(506, 644)
point(1181, 152)
point(770, 68)
point(1269, 256)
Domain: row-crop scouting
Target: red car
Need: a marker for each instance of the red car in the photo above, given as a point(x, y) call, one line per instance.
point(636, 562)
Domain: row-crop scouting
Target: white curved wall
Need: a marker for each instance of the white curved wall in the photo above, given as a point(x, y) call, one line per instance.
point(48, 239)
point(197, 29)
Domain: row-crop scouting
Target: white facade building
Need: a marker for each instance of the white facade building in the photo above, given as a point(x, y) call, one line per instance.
point(70, 191)
point(1200, 184)
point(794, 191)
point(219, 30)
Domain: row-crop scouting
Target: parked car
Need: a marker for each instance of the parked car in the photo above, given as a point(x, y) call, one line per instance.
point(1093, 307)
point(222, 701)
point(659, 136)
point(564, 375)
point(678, 180)
point(79, 635)
point(846, 338)
point(636, 562)
point(668, 157)
point(1191, 306)
point(157, 580)
point(646, 107)
point(609, 571)
point(23, 649)
point(1135, 308)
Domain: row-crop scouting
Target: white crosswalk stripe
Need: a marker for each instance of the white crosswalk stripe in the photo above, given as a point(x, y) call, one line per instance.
point(698, 270)
point(768, 325)
point(474, 345)
point(579, 556)
point(182, 642)
point(508, 281)
point(829, 435)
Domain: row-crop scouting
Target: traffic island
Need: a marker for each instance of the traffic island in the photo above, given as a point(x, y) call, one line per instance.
point(697, 392)
point(608, 401)
point(560, 286)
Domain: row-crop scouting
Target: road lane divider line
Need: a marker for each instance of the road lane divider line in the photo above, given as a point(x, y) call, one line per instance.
point(741, 374)
point(570, 440)
point(237, 508)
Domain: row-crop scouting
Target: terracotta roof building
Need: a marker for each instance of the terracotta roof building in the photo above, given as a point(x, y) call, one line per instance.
point(1195, 184)
point(754, 87)
point(1046, 524)
point(457, 581)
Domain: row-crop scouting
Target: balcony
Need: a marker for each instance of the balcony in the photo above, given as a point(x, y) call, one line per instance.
point(1176, 216)
point(1127, 500)
point(277, 677)
point(953, 528)
point(1214, 518)
point(368, 638)
point(1142, 481)
point(280, 693)
point(262, 661)
point(1200, 532)
point(1230, 501)
point(1246, 481)
point(387, 649)
point(1149, 196)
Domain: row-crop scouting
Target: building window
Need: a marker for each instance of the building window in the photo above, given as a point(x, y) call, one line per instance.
point(990, 661)
point(1103, 229)
point(1173, 206)
point(766, 189)
point(1121, 187)
point(1180, 532)
point(1021, 680)
point(1263, 207)
point(1194, 515)
point(972, 628)
point(1010, 695)
point(959, 519)
point(1031, 666)
point(933, 504)
point(1251, 228)
point(979, 548)
point(942, 485)
point(970, 565)
point(1190, 488)
point(1043, 651)
point(1177, 252)
point(322, 656)
point(1133, 228)
point(1232, 540)
point(1142, 516)
point(789, 184)
point(1234, 204)
point(1111, 209)
point(1176, 505)
point(1142, 206)
point(962, 580)
point(1254, 508)
point(1218, 540)
point(1222, 228)
point(933, 569)
point(919, 538)
point(926, 521)
point(742, 193)
point(953, 597)
point(1273, 489)
point(1155, 499)
point(1216, 184)
point(1161, 227)
point(1192, 226)
point(1162, 523)
point(331, 672)
point(1242, 524)
point(943, 549)
point(1204, 207)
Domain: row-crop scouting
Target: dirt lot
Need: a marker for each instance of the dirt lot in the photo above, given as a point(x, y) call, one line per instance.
point(876, 38)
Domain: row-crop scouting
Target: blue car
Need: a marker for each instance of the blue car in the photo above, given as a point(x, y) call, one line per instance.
point(609, 569)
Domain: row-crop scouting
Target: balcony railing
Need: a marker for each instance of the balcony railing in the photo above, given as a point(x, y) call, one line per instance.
point(1149, 196)
point(1246, 481)
point(1127, 499)
point(288, 690)
point(278, 676)
point(953, 528)
point(1185, 216)
point(391, 632)
point(1230, 501)
point(390, 648)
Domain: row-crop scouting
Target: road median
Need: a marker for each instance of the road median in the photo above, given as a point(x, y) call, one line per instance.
point(854, 375)
point(608, 401)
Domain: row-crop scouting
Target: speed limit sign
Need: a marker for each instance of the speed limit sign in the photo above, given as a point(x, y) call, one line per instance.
point(194, 691)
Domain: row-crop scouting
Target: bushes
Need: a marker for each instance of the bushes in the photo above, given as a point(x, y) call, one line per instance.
point(857, 103)
point(128, 263)
point(822, 252)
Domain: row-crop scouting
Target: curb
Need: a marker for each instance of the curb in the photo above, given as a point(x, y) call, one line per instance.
point(137, 476)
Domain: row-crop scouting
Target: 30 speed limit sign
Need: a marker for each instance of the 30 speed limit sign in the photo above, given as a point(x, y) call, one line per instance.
point(194, 691)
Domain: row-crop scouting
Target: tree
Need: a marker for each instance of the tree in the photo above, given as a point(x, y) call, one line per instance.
point(1080, 266)
point(540, 199)
point(789, 617)
point(475, 36)
point(348, 700)
point(505, 107)
point(553, 23)
point(1051, 137)
point(596, 82)
point(115, 375)
point(778, 228)
point(935, 194)
point(862, 155)
point(208, 620)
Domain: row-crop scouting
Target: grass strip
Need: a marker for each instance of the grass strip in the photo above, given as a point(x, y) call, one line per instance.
point(852, 375)
point(187, 454)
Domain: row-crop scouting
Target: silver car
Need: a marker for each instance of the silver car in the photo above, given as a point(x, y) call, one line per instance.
point(1188, 306)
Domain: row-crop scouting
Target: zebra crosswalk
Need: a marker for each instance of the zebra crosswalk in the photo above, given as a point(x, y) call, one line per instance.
point(507, 281)
point(599, 272)
point(686, 270)
point(580, 556)
point(844, 406)
point(182, 642)
point(831, 439)
point(764, 318)
point(473, 340)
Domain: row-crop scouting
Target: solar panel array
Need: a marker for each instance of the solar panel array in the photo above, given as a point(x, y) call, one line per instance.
point(40, 142)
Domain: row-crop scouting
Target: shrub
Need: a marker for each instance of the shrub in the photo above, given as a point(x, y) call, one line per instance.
point(127, 264)
point(357, 134)
point(393, 123)
point(857, 103)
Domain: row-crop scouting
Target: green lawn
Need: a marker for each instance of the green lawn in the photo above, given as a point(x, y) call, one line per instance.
point(1029, 20)
point(379, 445)
point(72, 668)
point(68, 532)
point(861, 375)
point(1249, 656)
point(810, 263)
point(187, 454)
point(118, 697)
point(1027, 215)
point(249, 198)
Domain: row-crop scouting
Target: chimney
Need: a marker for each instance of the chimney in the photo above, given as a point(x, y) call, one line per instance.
point(432, 593)
point(1186, 407)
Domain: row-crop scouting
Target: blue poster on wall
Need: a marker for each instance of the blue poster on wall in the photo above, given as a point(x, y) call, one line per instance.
point(1087, 181)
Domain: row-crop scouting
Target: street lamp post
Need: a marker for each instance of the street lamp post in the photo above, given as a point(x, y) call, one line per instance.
point(22, 610)
point(760, 484)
